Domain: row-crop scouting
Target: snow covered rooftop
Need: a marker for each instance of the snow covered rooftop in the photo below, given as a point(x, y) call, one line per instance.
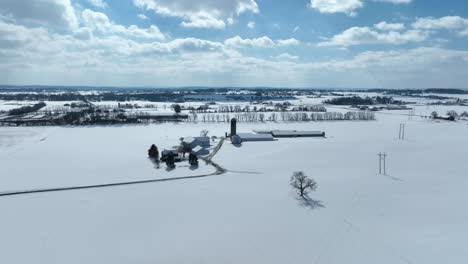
point(254, 137)
point(291, 133)
point(197, 148)
point(294, 133)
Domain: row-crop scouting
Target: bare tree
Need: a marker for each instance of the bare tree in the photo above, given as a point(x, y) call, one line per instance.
point(452, 113)
point(177, 108)
point(302, 183)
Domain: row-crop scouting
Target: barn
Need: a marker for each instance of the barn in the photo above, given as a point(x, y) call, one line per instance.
point(250, 137)
point(198, 141)
point(295, 133)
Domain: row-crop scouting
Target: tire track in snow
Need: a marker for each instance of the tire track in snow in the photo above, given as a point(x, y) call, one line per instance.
point(106, 185)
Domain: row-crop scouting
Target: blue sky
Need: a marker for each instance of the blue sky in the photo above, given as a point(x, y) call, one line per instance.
point(297, 43)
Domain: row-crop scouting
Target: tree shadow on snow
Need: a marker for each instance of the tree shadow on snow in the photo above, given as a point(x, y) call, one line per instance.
point(170, 168)
point(310, 203)
point(155, 162)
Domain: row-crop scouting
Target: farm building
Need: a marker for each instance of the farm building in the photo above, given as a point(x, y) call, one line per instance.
point(197, 141)
point(264, 131)
point(250, 137)
point(199, 150)
point(165, 153)
point(397, 107)
point(295, 133)
point(291, 133)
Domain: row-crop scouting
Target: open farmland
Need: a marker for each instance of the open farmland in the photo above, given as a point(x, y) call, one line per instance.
point(249, 214)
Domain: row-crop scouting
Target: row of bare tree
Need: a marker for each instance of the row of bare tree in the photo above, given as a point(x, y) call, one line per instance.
point(253, 117)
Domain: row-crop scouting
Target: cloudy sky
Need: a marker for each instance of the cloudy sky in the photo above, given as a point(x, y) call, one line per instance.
point(294, 43)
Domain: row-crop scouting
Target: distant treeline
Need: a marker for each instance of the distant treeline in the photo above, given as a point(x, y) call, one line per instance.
point(420, 91)
point(356, 100)
point(26, 109)
point(156, 96)
point(119, 97)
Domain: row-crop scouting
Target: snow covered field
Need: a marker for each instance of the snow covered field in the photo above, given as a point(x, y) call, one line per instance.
point(250, 214)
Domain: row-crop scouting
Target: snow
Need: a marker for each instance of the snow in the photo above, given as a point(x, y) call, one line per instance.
point(69, 156)
point(250, 214)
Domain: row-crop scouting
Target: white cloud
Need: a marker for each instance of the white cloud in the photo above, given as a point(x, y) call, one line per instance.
point(102, 52)
point(36, 55)
point(98, 3)
point(58, 14)
point(364, 35)
point(83, 33)
point(286, 56)
point(389, 26)
point(348, 7)
point(262, 42)
point(185, 45)
point(203, 21)
point(15, 36)
point(142, 16)
point(118, 61)
point(297, 28)
point(238, 42)
point(337, 6)
point(396, 33)
point(453, 23)
point(288, 42)
point(251, 24)
point(99, 22)
point(201, 13)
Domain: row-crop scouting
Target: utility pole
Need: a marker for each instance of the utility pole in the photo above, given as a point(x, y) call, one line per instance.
point(411, 114)
point(403, 127)
point(382, 157)
point(385, 163)
point(380, 162)
point(401, 134)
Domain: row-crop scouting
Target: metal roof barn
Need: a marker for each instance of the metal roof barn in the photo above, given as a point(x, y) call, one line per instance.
point(197, 141)
point(295, 133)
point(245, 137)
